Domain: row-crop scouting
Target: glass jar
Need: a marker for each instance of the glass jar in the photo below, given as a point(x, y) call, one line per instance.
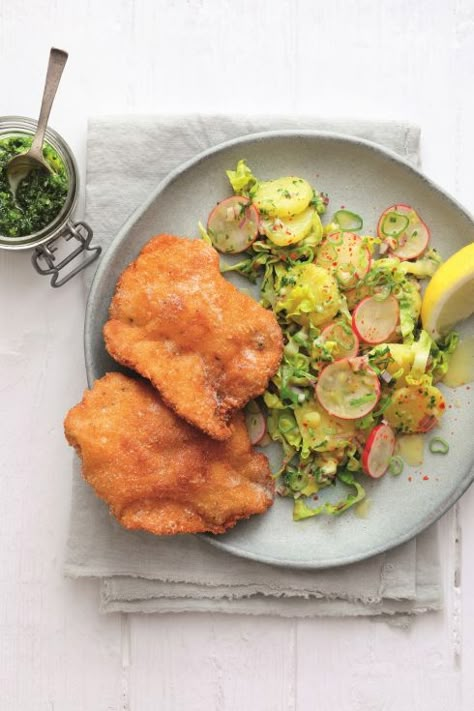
point(47, 241)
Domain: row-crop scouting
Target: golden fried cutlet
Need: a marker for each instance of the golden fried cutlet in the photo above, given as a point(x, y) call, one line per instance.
point(204, 345)
point(158, 473)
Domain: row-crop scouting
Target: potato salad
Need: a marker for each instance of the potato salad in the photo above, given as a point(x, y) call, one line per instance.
point(358, 369)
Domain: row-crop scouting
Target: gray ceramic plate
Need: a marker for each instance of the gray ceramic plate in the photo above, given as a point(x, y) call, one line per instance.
point(366, 179)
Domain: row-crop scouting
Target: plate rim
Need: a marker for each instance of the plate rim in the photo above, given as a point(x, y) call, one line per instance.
point(121, 235)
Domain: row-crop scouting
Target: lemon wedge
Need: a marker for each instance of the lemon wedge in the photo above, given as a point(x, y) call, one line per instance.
point(449, 297)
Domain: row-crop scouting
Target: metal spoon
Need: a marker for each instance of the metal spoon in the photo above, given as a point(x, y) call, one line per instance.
point(19, 166)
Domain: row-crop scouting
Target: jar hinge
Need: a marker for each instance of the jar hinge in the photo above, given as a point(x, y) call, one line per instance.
point(44, 259)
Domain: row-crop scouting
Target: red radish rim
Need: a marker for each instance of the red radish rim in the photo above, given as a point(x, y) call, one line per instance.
point(369, 446)
point(402, 208)
point(393, 208)
point(339, 363)
point(232, 198)
point(393, 253)
point(242, 200)
point(263, 426)
point(356, 310)
point(427, 423)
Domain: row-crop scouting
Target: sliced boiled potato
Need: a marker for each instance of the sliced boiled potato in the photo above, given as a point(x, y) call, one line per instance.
point(415, 408)
point(311, 295)
point(283, 197)
point(291, 230)
point(321, 431)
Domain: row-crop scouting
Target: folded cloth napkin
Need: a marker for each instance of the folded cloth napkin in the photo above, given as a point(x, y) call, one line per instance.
point(127, 157)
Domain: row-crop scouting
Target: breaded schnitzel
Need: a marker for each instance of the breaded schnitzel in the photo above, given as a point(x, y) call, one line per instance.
point(204, 345)
point(155, 471)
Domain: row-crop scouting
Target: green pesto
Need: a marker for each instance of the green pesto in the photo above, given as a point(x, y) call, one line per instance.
point(40, 195)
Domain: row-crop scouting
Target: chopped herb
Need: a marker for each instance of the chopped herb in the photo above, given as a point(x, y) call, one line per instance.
point(356, 402)
point(40, 195)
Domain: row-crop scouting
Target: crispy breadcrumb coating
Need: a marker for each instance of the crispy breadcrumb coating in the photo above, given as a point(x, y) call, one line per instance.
point(204, 345)
point(158, 473)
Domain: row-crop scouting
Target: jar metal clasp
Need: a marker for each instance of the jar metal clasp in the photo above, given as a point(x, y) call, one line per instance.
point(44, 257)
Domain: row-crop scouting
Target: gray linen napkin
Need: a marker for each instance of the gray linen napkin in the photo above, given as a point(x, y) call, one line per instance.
point(141, 572)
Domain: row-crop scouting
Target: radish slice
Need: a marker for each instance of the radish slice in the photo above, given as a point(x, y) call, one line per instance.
point(233, 225)
point(348, 388)
point(403, 231)
point(344, 255)
point(374, 321)
point(394, 224)
point(413, 242)
point(427, 423)
point(345, 338)
point(256, 425)
point(385, 227)
point(378, 451)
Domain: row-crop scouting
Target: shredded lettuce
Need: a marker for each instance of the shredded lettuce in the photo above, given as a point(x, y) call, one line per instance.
point(283, 428)
point(421, 352)
point(242, 179)
point(320, 432)
point(301, 510)
point(422, 268)
point(441, 353)
point(204, 234)
point(409, 300)
point(309, 295)
point(320, 202)
point(319, 449)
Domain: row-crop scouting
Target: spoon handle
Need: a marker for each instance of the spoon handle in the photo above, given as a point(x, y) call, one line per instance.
point(57, 61)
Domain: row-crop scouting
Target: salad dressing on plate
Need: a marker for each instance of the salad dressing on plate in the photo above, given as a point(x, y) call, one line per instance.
point(461, 364)
point(410, 449)
point(362, 509)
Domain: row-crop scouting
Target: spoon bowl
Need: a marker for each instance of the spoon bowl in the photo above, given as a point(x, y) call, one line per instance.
point(21, 165)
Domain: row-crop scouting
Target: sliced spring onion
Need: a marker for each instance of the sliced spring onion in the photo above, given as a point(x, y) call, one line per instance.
point(348, 344)
point(335, 238)
point(395, 466)
point(394, 224)
point(348, 221)
point(382, 293)
point(286, 424)
point(345, 273)
point(438, 445)
point(383, 404)
point(358, 401)
point(398, 374)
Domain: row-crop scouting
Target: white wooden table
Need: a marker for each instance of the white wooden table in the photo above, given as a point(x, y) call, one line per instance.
point(387, 59)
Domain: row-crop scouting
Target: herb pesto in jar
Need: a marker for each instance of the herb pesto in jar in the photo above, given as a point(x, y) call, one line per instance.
point(40, 195)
